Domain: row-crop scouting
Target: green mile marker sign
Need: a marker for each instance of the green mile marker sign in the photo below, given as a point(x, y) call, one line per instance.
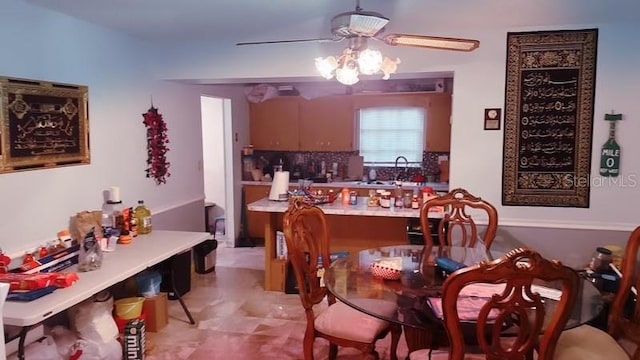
point(610, 155)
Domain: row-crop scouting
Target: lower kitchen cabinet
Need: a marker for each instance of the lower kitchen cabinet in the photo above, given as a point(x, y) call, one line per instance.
point(255, 220)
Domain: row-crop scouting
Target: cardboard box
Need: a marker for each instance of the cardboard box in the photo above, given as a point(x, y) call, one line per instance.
point(134, 340)
point(156, 312)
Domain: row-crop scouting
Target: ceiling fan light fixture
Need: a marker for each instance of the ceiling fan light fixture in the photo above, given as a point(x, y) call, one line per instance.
point(369, 61)
point(347, 75)
point(347, 71)
point(326, 66)
point(354, 62)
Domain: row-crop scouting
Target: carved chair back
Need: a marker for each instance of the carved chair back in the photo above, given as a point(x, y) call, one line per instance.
point(457, 226)
point(305, 230)
point(514, 305)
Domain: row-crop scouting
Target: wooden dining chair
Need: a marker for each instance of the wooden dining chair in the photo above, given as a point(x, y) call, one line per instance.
point(621, 340)
point(305, 230)
point(457, 226)
point(511, 321)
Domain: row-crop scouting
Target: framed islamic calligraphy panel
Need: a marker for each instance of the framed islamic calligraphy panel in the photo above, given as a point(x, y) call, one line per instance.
point(549, 118)
point(42, 125)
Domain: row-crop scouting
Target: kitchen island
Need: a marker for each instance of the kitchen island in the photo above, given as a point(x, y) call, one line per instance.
point(352, 228)
point(256, 190)
point(354, 184)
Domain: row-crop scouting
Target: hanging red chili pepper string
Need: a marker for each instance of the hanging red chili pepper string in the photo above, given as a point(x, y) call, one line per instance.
point(157, 140)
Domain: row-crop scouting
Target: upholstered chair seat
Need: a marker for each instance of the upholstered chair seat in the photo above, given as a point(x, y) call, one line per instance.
point(588, 343)
point(345, 322)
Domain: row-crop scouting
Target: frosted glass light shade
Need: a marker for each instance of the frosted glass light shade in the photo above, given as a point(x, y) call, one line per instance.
point(369, 61)
point(326, 66)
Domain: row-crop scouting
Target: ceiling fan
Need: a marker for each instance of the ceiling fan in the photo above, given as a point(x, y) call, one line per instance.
point(359, 25)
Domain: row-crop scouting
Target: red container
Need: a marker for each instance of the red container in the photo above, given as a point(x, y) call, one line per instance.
point(121, 323)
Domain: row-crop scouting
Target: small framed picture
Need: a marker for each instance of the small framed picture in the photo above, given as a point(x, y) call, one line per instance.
point(492, 118)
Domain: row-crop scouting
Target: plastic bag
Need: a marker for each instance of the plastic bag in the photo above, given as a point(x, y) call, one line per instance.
point(42, 349)
point(64, 339)
point(91, 350)
point(148, 283)
point(93, 320)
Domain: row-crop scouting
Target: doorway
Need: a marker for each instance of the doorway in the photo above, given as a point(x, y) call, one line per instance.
point(217, 167)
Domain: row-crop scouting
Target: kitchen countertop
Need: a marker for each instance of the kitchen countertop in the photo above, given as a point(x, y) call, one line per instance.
point(383, 184)
point(337, 208)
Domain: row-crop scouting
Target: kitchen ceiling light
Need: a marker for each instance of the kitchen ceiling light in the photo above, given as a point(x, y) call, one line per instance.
point(355, 60)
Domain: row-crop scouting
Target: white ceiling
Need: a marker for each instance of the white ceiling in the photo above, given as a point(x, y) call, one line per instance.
point(223, 23)
point(232, 21)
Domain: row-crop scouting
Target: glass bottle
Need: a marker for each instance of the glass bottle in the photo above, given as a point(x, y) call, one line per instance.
point(398, 195)
point(143, 218)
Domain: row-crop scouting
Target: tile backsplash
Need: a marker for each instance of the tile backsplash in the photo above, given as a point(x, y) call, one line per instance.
point(308, 164)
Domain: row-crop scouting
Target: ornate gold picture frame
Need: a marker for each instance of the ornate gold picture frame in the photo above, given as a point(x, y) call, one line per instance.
point(42, 124)
point(549, 118)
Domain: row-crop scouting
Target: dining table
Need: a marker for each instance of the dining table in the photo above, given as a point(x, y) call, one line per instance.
point(351, 280)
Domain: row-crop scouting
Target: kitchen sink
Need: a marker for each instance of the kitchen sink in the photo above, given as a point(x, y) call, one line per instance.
point(384, 183)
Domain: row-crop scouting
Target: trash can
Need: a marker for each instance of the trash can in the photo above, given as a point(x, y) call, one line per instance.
point(205, 256)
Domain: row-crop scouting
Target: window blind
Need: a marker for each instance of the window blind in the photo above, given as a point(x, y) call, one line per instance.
point(388, 132)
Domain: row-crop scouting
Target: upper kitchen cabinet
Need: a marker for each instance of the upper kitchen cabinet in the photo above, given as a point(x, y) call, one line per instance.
point(274, 123)
point(327, 124)
point(438, 137)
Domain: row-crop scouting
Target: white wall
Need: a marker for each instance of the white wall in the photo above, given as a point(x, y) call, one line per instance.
point(479, 83)
point(122, 75)
point(612, 206)
point(43, 45)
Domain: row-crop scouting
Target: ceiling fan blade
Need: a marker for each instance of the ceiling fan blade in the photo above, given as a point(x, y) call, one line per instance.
point(289, 41)
point(433, 42)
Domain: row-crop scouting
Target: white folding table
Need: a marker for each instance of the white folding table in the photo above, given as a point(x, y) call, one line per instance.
point(143, 252)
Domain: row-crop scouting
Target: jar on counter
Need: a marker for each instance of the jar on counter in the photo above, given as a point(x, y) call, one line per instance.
point(385, 199)
point(427, 194)
point(415, 202)
point(373, 198)
point(406, 201)
point(331, 196)
point(345, 196)
point(353, 198)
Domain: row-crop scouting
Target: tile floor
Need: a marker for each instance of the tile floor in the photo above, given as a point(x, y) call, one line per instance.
point(237, 319)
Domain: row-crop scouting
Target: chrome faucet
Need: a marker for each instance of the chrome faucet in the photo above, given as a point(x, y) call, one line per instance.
point(406, 166)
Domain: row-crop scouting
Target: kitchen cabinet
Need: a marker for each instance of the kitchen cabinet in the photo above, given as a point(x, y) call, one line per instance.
point(256, 221)
point(292, 123)
point(274, 123)
point(438, 136)
point(327, 124)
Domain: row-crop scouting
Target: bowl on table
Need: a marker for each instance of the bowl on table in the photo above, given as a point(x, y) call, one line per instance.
point(389, 268)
